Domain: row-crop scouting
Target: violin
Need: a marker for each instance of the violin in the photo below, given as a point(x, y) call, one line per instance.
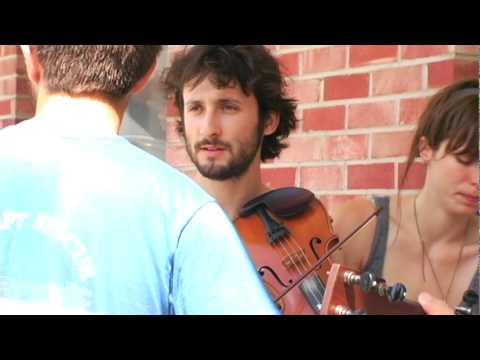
point(286, 231)
point(290, 237)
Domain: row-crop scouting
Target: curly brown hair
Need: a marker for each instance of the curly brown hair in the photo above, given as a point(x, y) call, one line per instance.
point(253, 68)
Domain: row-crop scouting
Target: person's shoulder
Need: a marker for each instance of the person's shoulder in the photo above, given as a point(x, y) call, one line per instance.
point(168, 182)
point(355, 208)
point(346, 217)
point(15, 130)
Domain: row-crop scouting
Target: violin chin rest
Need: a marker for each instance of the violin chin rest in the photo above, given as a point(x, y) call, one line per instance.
point(284, 203)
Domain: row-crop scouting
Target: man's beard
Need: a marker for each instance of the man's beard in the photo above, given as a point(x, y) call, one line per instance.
point(235, 168)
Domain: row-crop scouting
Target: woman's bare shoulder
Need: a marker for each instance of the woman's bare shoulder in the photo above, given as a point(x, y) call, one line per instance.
point(346, 217)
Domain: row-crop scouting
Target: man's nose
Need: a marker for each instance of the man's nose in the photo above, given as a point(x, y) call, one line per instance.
point(211, 124)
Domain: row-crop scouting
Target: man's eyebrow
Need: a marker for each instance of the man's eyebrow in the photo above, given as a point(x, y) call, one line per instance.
point(193, 101)
point(229, 99)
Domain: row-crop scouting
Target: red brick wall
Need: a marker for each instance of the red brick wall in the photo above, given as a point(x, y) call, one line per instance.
point(358, 106)
point(16, 102)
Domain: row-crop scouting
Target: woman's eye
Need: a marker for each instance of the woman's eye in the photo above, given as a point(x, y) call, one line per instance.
point(465, 160)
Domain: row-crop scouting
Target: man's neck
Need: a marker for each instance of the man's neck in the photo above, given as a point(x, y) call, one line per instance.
point(232, 194)
point(80, 115)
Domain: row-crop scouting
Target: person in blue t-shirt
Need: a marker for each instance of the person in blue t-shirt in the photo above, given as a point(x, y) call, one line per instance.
point(89, 223)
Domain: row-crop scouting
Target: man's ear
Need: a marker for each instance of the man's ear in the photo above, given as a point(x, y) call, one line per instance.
point(271, 124)
point(34, 69)
point(140, 85)
point(424, 150)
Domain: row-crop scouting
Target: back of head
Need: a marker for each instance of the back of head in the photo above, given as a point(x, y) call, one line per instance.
point(108, 70)
point(252, 68)
point(451, 115)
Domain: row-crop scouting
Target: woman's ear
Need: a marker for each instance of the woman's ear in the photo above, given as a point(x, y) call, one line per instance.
point(271, 124)
point(424, 150)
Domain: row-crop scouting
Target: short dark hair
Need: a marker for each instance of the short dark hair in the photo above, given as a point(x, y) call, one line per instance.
point(110, 70)
point(452, 114)
point(253, 68)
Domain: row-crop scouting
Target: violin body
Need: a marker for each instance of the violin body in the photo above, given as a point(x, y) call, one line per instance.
point(286, 231)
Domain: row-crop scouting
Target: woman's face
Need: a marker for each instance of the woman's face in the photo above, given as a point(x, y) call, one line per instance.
point(453, 178)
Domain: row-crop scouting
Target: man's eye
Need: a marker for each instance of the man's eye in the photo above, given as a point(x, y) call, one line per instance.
point(230, 107)
point(194, 108)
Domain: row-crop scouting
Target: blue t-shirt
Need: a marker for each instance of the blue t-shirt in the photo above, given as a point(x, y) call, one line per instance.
point(95, 224)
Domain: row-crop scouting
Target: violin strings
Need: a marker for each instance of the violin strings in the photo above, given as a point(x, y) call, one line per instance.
point(302, 251)
point(300, 272)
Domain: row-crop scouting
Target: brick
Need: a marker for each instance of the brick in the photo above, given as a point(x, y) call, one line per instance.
point(446, 72)
point(325, 118)
point(327, 177)
point(371, 176)
point(176, 155)
point(371, 114)
point(467, 49)
point(466, 69)
point(15, 86)
point(302, 149)
point(8, 67)
point(324, 59)
point(420, 51)
point(372, 54)
point(415, 178)
point(289, 64)
point(304, 91)
point(411, 109)
point(25, 107)
point(346, 86)
point(5, 107)
point(6, 50)
point(346, 147)
point(278, 177)
point(7, 122)
point(398, 80)
point(24, 87)
point(391, 144)
point(8, 86)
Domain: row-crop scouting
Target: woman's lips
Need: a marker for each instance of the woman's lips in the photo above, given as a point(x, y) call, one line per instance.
point(473, 199)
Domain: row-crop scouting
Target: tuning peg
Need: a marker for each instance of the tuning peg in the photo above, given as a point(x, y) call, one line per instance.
point(470, 298)
point(359, 312)
point(397, 292)
point(367, 281)
point(342, 310)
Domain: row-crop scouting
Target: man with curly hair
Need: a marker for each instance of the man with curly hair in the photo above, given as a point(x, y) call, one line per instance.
point(234, 115)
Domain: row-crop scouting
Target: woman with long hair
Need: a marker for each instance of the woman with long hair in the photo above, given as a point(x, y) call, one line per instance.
point(429, 240)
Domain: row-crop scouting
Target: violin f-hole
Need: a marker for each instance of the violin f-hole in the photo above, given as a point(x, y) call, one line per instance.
point(313, 241)
point(262, 269)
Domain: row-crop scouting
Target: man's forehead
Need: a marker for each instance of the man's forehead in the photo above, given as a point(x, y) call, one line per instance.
point(193, 89)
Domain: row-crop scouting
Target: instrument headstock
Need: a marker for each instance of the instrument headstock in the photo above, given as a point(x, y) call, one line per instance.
point(349, 292)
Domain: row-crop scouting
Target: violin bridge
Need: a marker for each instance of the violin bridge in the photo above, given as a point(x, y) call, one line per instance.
point(296, 259)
